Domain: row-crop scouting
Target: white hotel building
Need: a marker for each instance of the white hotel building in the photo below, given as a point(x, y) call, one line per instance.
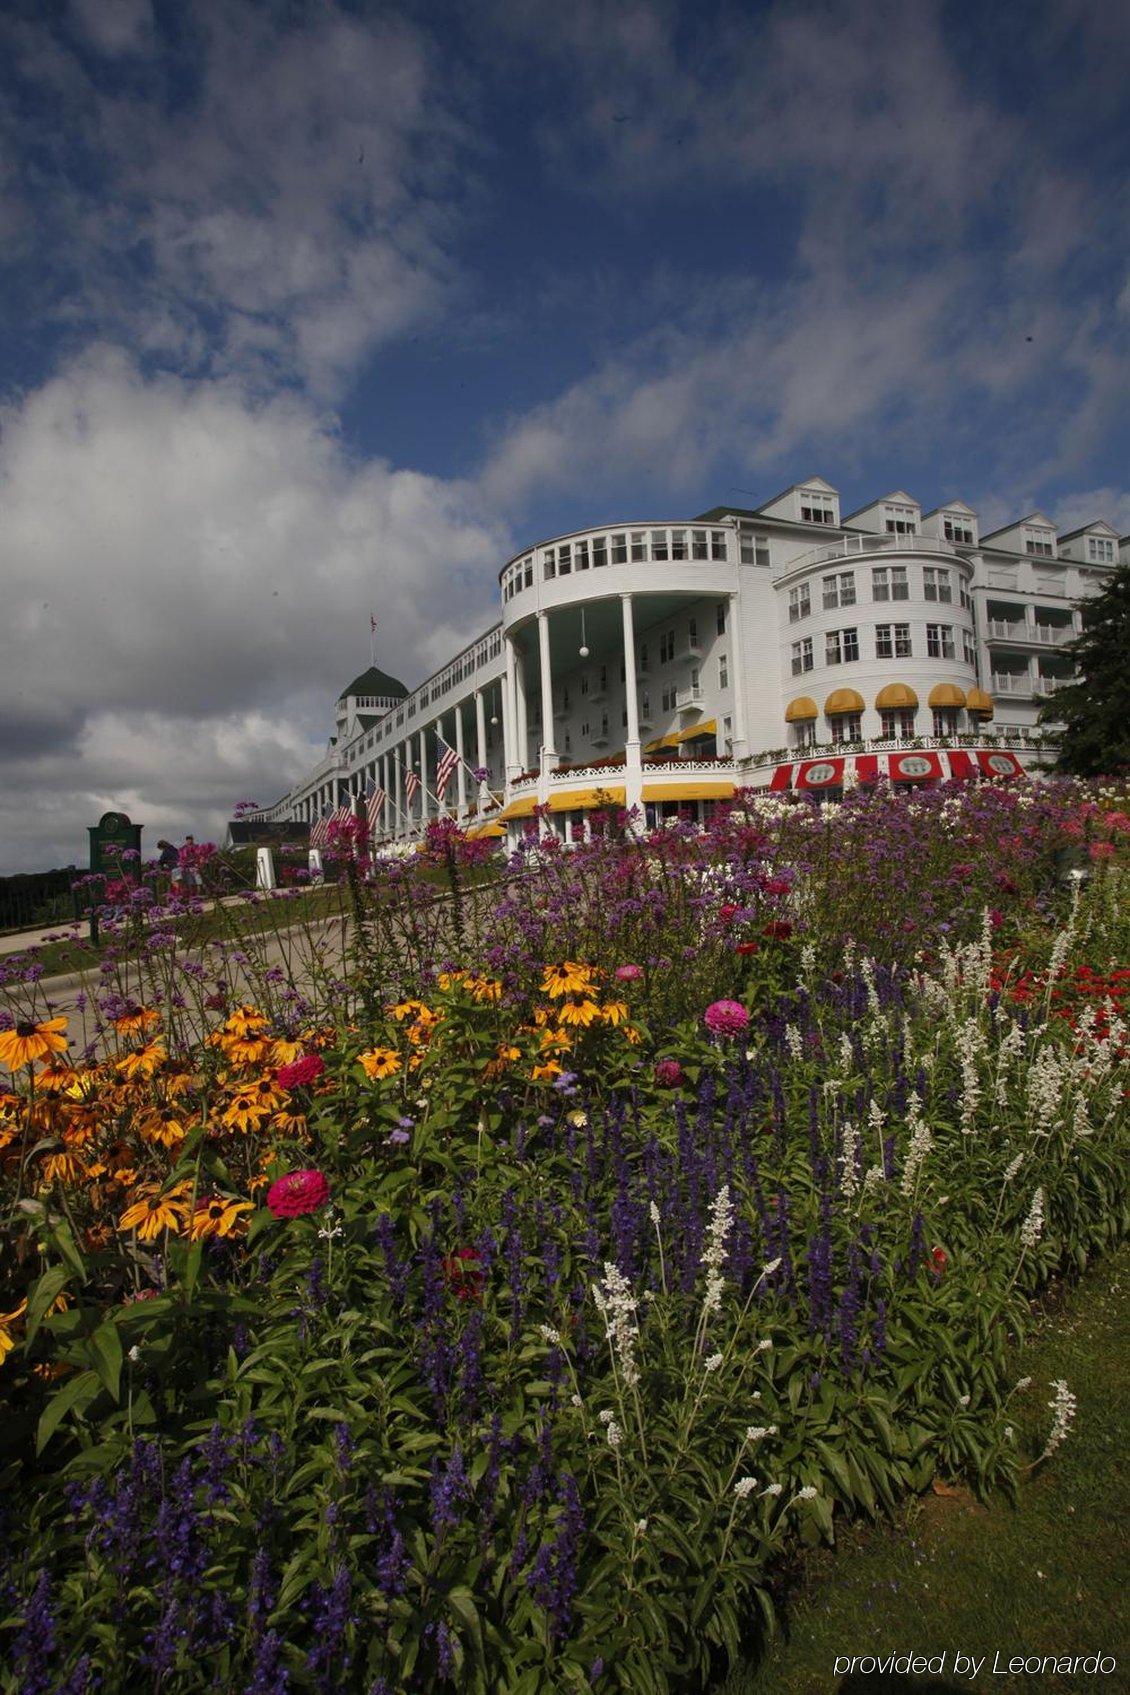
point(661, 664)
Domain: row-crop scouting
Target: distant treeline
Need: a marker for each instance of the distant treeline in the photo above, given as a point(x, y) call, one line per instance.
point(36, 897)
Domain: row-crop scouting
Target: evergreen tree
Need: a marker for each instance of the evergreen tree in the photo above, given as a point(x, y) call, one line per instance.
point(1094, 710)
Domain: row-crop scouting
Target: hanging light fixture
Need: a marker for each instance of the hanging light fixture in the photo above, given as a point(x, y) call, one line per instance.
point(583, 649)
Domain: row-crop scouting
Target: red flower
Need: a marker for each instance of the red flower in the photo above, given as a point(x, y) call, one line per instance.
point(727, 912)
point(296, 1193)
point(668, 1073)
point(747, 948)
point(302, 1070)
point(939, 1259)
point(778, 929)
point(464, 1274)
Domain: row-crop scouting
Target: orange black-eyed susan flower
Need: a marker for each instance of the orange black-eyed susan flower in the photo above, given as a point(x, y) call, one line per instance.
point(448, 980)
point(8, 1321)
point(151, 1212)
point(251, 1104)
point(485, 988)
point(614, 1012)
point(28, 1041)
point(217, 1215)
point(60, 1077)
point(288, 1123)
point(409, 1009)
point(142, 1062)
point(546, 1072)
point(581, 1012)
point(160, 1130)
point(378, 1063)
point(568, 978)
point(286, 1049)
point(177, 1079)
point(244, 1021)
point(62, 1168)
point(135, 1020)
point(247, 1050)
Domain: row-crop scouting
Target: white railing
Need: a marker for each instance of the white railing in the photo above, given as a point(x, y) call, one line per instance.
point(1048, 685)
point(1001, 631)
point(852, 546)
point(1053, 635)
point(685, 699)
point(1012, 683)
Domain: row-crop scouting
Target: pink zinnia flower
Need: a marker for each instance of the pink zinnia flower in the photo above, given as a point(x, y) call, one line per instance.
point(296, 1193)
point(727, 912)
point(303, 1070)
point(668, 1073)
point(779, 929)
point(628, 973)
point(1101, 850)
point(726, 1018)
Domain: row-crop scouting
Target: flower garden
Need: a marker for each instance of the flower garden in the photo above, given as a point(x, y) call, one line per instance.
point(500, 1309)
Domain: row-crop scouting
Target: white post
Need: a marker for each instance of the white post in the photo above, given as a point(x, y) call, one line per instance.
point(314, 860)
point(480, 739)
point(423, 742)
point(633, 769)
point(548, 750)
point(736, 650)
point(510, 714)
point(398, 775)
point(521, 722)
point(264, 869)
point(461, 768)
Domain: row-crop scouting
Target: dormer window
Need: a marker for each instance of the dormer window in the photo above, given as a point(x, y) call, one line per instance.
point(1100, 551)
point(816, 508)
point(957, 529)
point(1040, 543)
point(900, 520)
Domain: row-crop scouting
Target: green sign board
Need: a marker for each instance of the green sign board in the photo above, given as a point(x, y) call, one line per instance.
point(114, 831)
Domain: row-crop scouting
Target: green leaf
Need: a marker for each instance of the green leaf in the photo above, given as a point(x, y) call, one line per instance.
point(49, 1286)
point(76, 1394)
point(106, 1346)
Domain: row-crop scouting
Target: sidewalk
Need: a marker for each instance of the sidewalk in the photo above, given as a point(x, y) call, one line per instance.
point(18, 941)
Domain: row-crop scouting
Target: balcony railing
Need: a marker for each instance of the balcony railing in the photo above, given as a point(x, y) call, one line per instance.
point(849, 546)
point(686, 700)
point(1053, 635)
point(1001, 631)
point(1042, 635)
point(1012, 682)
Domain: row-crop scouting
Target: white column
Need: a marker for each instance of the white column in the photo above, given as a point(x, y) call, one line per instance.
point(460, 769)
point(633, 770)
point(510, 714)
point(737, 672)
point(548, 750)
point(398, 783)
point(383, 781)
point(521, 722)
point(422, 739)
point(481, 740)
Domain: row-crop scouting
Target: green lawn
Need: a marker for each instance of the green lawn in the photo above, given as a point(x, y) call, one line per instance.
point(1045, 1577)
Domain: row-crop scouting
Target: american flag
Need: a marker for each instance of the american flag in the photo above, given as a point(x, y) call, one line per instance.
point(373, 808)
point(320, 827)
point(342, 815)
point(446, 761)
point(411, 786)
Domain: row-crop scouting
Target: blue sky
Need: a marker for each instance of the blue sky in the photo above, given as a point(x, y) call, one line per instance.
point(311, 309)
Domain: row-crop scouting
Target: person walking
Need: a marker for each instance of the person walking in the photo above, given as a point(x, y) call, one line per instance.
point(189, 866)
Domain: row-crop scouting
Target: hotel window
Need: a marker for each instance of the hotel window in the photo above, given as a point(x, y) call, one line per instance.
point(945, 720)
point(563, 565)
point(816, 509)
point(898, 725)
point(1039, 543)
point(1100, 552)
point(839, 590)
point(619, 550)
point(939, 641)
point(659, 544)
point(955, 529)
point(936, 584)
point(604, 677)
point(968, 647)
point(847, 727)
point(599, 556)
point(580, 555)
point(643, 656)
point(804, 735)
point(892, 641)
point(694, 679)
point(964, 594)
point(720, 616)
point(754, 549)
point(549, 567)
point(668, 699)
point(678, 544)
point(841, 647)
point(718, 547)
point(800, 603)
point(692, 632)
point(565, 699)
point(727, 734)
point(639, 546)
point(645, 706)
point(528, 574)
point(802, 656)
point(568, 742)
point(585, 729)
point(889, 582)
point(699, 546)
point(584, 682)
point(666, 647)
point(900, 521)
point(723, 671)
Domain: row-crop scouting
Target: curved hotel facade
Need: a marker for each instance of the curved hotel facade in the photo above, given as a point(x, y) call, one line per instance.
point(661, 664)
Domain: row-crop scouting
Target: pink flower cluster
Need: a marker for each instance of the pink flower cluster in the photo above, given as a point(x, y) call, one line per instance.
point(668, 1073)
point(303, 1070)
point(296, 1193)
point(726, 1018)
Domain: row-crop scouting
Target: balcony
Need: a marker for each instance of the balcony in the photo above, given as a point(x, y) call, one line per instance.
point(1044, 686)
point(851, 546)
point(1053, 635)
point(688, 700)
point(1012, 682)
point(1002, 631)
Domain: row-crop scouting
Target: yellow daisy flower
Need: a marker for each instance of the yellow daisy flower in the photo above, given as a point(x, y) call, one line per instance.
point(378, 1063)
point(142, 1062)
point(219, 1215)
point(581, 1012)
point(153, 1212)
point(568, 978)
point(28, 1041)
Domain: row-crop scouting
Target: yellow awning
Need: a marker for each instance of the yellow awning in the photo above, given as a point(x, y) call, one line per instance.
point(477, 832)
point(843, 700)
point(581, 800)
point(946, 694)
point(894, 695)
point(717, 789)
point(523, 808)
point(798, 711)
point(708, 728)
point(979, 702)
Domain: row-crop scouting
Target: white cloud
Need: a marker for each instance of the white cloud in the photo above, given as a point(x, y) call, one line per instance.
point(188, 576)
point(115, 26)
